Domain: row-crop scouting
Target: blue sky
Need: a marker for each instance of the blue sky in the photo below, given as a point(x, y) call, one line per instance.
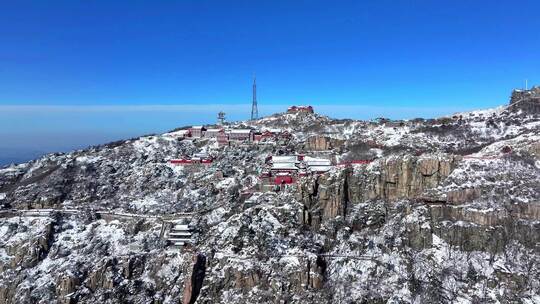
point(399, 59)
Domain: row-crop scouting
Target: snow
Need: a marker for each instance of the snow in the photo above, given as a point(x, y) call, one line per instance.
point(144, 204)
point(272, 220)
point(284, 166)
point(13, 169)
point(240, 131)
point(312, 161)
point(216, 216)
point(317, 168)
point(484, 112)
point(179, 133)
point(535, 299)
point(225, 183)
point(290, 261)
point(272, 130)
point(88, 159)
point(270, 238)
point(285, 159)
point(171, 268)
point(440, 249)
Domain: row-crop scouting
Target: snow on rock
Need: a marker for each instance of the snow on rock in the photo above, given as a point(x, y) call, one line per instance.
point(445, 211)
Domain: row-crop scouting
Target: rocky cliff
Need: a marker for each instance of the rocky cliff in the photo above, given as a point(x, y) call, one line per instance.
point(389, 179)
point(526, 100)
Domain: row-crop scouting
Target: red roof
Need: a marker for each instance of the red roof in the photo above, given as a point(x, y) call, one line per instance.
point(180, 161)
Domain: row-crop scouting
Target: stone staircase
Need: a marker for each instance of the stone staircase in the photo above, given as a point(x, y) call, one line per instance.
point(179, 235)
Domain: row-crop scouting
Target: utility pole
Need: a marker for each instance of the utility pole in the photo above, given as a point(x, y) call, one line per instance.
point(526, 84)
point(254, 110)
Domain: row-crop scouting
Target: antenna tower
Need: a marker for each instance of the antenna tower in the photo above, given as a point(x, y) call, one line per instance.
point(254, 110)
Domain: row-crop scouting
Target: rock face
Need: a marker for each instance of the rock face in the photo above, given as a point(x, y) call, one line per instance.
point(485, 230)
point(322, 143)
point(395, 178)
point(447, 211)
point(409, 177)
point(193, 286)
point(526, 100)
point(534, 149)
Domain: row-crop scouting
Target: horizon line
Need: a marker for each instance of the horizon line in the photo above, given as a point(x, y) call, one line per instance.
point(236, 107)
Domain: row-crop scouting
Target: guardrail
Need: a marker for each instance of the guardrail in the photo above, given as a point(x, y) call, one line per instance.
point(49, 211)
point(355, 162)
point(329, 255)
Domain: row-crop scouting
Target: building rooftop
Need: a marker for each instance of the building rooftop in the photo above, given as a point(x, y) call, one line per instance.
point(284, 166)
point(312, 161)
point(240, 131)
point(179, 132)
point(285, 159)
point(272, 130)
point(320, 168)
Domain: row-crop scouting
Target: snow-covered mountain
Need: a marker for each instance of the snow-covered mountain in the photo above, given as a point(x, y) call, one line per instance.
point(421, 211)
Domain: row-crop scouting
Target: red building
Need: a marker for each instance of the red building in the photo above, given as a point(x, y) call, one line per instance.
point(213, 133)
point(222, 139)
point(296, 109)
point(181, 133)
point(241, 134)
point(197, 131)
point(263, 135)
point(283, 178)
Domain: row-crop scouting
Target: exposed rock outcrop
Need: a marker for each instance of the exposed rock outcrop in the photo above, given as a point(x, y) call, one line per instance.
point(329, 196)
point(193, 285)
point(526, 100)
point(322, 143)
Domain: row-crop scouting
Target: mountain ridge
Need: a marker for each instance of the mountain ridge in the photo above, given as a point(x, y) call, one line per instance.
point(414, 211)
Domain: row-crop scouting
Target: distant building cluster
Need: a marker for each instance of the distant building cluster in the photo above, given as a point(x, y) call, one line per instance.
point(201, 158)
point(227, 136)
point(300, 109)
point(282, 169)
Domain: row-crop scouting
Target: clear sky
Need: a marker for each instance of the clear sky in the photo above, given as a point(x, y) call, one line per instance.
point(99, 68)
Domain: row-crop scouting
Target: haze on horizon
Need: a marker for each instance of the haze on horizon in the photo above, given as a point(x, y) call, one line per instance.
point(76, 73)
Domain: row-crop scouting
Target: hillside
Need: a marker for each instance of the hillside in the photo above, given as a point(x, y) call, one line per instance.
point(440, 210)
